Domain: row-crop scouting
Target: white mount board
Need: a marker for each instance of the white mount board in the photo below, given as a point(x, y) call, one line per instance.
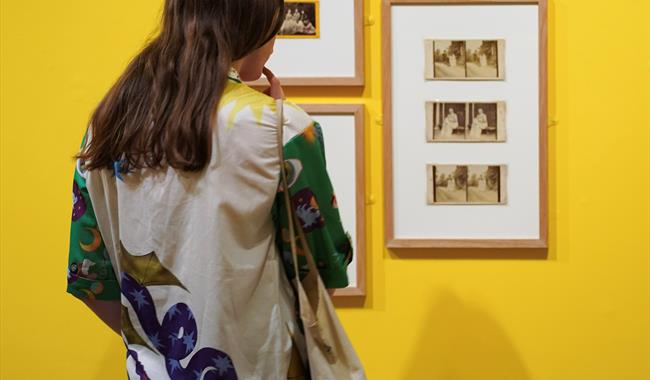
point(518, 26)
point(340, 143)
point(331, 55)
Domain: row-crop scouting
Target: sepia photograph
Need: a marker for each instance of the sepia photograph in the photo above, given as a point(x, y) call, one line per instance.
point(301, 20)
point(449, 59)
point(449, 121)
point(466, 184)
point(482, 59)
point(465, 122)
point(464, 59)
point(483, 183)
point(447, 184)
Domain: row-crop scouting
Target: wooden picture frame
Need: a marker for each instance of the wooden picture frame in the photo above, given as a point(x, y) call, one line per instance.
point(391, 240)
point(357, 79)
point(357, 111)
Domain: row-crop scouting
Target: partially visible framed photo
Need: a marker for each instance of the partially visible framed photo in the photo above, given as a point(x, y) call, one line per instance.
point(301, 20)
point(343, 131)
point(320, 43)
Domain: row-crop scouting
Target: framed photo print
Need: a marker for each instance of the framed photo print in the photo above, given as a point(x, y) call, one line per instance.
point(465, 123)
point(320, 43)
point(301, 20)
point(343, 131)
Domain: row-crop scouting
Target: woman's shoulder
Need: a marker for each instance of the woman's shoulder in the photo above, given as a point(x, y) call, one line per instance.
point(239, 100)
point(296, 120)
point(242, 104)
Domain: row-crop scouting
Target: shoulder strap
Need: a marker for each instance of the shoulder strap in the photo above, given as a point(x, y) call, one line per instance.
point(310, 281)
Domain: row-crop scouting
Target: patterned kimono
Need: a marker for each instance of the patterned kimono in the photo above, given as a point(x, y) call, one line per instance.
point(202, 275)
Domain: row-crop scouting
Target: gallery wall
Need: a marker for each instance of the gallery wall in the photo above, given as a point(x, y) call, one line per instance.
point(579, 312)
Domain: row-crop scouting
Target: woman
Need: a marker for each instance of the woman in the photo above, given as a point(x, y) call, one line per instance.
point(449, 124)
point(176, 203)
point(479, 123)
point(452, 59)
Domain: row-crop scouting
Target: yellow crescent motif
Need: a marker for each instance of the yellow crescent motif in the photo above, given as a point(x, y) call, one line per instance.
point(97, 241)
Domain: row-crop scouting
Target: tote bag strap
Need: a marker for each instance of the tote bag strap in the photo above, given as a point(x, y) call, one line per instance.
point(308, 309)
point(293, 222)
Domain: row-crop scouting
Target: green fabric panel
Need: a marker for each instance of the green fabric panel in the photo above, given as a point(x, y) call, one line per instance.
point(90, 273)
point(314, 202)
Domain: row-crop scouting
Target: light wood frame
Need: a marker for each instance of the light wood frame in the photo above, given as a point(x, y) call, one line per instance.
point(356, 110)
point(359, 64)
point(390, 240)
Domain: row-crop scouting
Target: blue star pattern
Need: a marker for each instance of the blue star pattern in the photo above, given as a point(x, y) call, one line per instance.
point(139, 298)
point(222, 364)
point(188, 341)
point(173, 311)
point(176, 337)
point(155, 340)
point(174, 365)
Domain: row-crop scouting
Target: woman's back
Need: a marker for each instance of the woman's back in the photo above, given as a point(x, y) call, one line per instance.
point(195, 253)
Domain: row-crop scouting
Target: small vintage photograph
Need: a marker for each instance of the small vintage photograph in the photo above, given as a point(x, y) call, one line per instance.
point(483, 184)
point(449, 121)
point(465, 121)
point(487, 121)
point(482, 58)
point(464, 59)
point(301, 20)
point(449, 59)
point(473, 184)
point(447, 184)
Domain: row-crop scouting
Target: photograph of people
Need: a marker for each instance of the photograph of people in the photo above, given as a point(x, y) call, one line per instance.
point(483, 184)
point(446, 121)
point(450, 184)
point(479, 123)
point(300, 20)
point(482, 58)
point(449, 124)
point(449, 59)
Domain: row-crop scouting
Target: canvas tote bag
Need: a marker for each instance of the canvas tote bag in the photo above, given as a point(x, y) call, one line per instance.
point(329, 351)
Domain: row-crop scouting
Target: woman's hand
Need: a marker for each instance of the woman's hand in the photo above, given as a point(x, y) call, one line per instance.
point(275, 90)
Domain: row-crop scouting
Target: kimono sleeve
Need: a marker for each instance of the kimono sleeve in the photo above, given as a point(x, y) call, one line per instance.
point(90, 273)
point(314, 203)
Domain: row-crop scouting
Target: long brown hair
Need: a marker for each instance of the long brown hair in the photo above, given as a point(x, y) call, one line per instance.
point(161, 110)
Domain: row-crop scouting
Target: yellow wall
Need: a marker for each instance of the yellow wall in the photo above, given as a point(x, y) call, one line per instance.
point(581, 313)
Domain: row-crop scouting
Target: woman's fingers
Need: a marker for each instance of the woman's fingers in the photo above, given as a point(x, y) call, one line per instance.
point(275, 91)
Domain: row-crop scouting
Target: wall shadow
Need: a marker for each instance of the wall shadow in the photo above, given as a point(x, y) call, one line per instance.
point(461, 342)
point(470, 253)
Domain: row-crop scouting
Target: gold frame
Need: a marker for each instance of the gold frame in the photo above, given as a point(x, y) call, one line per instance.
point(317, 15)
